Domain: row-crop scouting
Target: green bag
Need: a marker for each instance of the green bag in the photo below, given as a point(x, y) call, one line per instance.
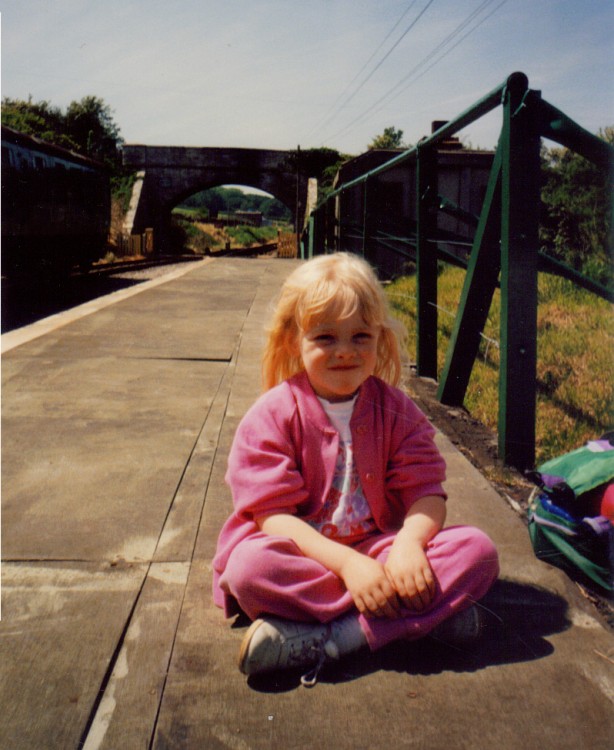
point(579, 471)
point(574, 545)
point(563, 530)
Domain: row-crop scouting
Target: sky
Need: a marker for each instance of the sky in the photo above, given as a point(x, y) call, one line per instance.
point(278, 74)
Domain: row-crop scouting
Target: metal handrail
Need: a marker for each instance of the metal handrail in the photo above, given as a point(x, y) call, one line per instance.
point(505, 249)
point(482, 107)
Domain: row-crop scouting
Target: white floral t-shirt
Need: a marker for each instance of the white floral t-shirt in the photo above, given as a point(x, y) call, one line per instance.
point(346, 515)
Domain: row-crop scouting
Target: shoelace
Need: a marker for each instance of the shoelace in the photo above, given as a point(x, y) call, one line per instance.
point(326, 650)
point(310, 679)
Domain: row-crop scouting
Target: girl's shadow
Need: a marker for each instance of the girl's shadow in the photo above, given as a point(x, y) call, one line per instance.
point(517, 617)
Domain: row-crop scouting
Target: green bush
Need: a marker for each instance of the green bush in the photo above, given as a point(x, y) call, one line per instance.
point(244, 236)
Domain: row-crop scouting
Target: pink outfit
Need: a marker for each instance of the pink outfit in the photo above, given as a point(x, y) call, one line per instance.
point(282, 461)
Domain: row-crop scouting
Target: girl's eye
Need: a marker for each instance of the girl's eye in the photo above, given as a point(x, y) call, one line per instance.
point(362, 337)
point(324, 338)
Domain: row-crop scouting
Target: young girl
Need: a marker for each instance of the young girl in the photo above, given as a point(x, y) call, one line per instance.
point(336, 540)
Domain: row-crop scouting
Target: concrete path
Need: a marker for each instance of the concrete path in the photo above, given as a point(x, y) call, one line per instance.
point(116, 427)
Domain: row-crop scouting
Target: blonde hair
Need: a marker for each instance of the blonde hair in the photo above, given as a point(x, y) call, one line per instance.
point(328, 286)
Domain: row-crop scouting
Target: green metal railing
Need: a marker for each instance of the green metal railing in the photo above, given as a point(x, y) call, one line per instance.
point(504, 250)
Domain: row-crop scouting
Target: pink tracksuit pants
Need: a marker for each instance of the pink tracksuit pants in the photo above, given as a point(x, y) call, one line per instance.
point(270, 575)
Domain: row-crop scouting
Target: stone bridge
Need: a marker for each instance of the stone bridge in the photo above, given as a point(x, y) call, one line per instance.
point(169, 174)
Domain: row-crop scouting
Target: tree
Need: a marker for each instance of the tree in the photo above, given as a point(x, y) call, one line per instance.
point(321, 163)
point(39, 119)
point(91, 126)
point(390, 138)
point(230, 199)
point(576, 221)
point(87, 126)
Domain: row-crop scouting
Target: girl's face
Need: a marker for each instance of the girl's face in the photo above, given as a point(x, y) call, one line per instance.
point(339, 355)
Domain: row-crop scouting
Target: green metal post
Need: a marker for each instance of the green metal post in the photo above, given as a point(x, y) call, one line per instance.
point(321, 230)
point(341, 226)
point(315, 231)
point(365, 236)
point(520, 197)
point(329, 242)
point(426, 262)
point(368, 251)
point(480, 283)
point(311, 237)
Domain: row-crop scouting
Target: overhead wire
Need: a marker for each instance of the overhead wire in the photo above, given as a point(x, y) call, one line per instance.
point(381, 44)
point(391, 50)
point(405, 82)
point(390, 94)
point(409, 75)
point(336, 108)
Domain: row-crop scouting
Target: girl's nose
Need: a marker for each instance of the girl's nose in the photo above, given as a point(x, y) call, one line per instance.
point(344, 349)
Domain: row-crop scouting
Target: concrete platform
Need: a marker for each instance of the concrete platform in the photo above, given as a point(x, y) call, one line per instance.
point(116, 427)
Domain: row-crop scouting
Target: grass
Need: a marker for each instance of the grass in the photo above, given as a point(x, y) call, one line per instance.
point(191, 214)
point(194, 237)
point(121, 189)
point(190, 219)
point(575, 387)
point(244, 235)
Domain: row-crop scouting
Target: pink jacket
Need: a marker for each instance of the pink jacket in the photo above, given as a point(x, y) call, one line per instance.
point(283, 457)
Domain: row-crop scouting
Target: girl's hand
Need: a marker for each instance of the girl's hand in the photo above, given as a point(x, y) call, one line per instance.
point(407, 566)
point(410, 574)
point(364, 578)
point(370, 587)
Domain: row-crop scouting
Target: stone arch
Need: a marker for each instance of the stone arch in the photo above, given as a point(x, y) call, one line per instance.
point(167, 174)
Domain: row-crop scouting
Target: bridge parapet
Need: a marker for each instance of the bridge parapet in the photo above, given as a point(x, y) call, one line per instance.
point(172, 173)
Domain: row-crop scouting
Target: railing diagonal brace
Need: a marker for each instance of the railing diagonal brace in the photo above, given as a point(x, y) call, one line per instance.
point(480, 283)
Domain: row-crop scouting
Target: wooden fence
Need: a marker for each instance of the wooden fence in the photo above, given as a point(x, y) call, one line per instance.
point(286, 245)
point(134, 245)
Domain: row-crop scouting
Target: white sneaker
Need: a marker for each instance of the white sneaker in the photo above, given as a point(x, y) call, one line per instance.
point(463, 627)
point(272, 643)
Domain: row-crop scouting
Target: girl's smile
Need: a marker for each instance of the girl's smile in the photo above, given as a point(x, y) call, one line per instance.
point(339, 355)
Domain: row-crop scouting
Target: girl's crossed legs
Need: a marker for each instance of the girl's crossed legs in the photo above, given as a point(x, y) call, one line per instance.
point(270, 576)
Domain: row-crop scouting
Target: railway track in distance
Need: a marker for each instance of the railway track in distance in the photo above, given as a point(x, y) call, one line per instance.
point(102, 269)
point(27, 300)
